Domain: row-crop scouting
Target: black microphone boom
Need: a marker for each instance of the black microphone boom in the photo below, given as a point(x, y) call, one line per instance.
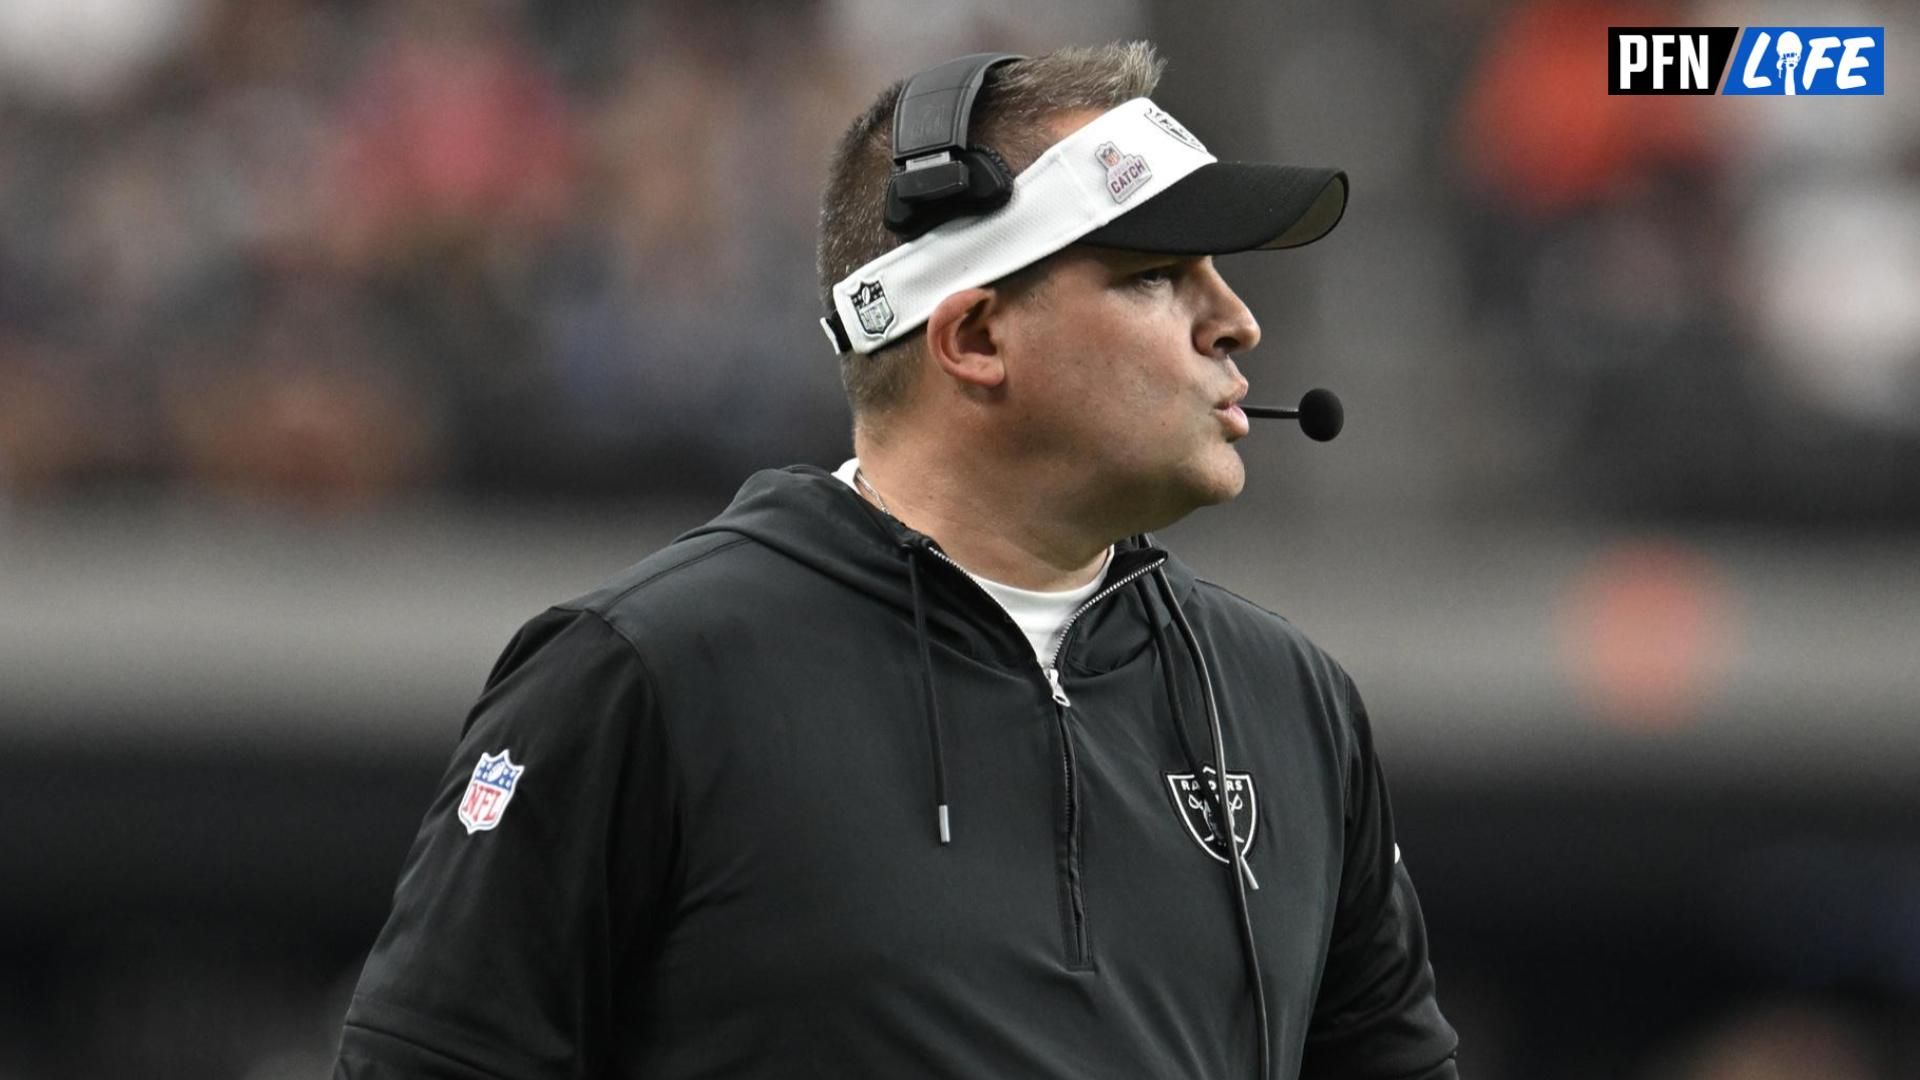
point(1320, 414)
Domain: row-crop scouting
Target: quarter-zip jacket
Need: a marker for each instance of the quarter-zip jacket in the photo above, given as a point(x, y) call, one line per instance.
point(798, 801)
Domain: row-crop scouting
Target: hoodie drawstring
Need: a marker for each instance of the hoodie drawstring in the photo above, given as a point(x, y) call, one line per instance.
point(933, 700)
point(1165, 654)
point(1235, 855)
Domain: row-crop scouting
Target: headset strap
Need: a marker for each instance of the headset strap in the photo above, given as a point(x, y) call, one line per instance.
point(936, 106)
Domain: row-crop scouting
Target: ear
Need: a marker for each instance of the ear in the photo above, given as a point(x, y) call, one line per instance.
point(963, 338)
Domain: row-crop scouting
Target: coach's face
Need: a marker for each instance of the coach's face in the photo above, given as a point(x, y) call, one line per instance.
point(1120, 363)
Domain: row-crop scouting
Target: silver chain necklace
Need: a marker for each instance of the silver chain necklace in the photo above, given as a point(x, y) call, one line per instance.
point(860, 479)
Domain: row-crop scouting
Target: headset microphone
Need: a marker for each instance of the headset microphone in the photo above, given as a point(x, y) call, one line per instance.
point(1320, 414)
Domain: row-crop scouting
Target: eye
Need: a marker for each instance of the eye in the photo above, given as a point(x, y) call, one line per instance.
point(1154, 276)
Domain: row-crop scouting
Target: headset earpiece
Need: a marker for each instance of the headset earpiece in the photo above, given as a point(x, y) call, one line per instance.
point(972, 181)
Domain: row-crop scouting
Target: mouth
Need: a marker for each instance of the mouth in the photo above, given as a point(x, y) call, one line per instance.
point(1231, 415)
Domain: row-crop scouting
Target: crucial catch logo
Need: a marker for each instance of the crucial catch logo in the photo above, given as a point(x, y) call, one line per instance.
point(1125, 172)
point(1790, 61)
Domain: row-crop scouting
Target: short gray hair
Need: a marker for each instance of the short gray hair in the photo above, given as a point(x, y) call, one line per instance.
point(1011, 115)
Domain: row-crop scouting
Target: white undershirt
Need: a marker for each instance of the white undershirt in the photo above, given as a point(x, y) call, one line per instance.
point(1039, 615)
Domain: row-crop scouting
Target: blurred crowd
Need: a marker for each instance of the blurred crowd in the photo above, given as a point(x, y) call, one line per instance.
point(334, 252)
point(1702, 306)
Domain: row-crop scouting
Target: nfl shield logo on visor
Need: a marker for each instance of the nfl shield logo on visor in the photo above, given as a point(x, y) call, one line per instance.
point(491, 788)
point(870, 304)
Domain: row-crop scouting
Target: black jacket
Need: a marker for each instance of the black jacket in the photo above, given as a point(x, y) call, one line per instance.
point(723, 857)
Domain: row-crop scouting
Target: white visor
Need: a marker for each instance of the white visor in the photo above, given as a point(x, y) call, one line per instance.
point(1113, 166)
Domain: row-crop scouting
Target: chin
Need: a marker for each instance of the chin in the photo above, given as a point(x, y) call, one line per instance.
point(1225, 479)
point(1227, 492)
point(1162, 500)
point(1219, 480)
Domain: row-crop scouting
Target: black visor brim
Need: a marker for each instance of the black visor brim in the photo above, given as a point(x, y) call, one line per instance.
point(1232, 206)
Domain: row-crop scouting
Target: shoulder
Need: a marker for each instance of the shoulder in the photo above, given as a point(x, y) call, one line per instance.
point(1254, 631)
point(680, 567)
point(690, 584)
point(1284, 674)
point(628, 632)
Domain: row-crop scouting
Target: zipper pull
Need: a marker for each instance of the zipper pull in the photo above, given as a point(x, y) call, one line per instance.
point(1053, 680)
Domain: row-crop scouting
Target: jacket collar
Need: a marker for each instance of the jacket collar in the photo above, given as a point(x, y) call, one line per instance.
point(806, 513)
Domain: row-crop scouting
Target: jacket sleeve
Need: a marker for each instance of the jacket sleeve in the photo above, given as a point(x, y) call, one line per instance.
point(508, 932)
point(1376, 1017)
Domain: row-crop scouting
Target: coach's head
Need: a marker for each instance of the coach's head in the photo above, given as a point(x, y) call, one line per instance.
point(1067, 356)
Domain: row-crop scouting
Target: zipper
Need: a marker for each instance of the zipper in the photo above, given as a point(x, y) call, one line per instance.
point(1052, 670)
point(934, 550)
point(1077, 949)
point(1079, 953)
point(1053, 681)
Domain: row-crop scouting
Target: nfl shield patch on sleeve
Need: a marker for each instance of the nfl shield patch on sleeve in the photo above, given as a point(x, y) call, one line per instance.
point(489, 791)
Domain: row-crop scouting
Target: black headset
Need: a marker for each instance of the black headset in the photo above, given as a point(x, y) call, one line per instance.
point(937, 174)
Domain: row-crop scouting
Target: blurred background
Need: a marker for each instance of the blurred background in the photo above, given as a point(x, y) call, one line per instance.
point(337, 339)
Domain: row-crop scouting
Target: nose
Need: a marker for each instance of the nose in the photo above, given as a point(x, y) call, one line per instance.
point(1225, 325)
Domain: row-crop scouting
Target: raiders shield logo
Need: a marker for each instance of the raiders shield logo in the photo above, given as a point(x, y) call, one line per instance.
point(1193, 799)
point(870, 304)
point(1174, 128)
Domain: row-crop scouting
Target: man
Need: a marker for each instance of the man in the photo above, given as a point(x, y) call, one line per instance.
point(938, 766)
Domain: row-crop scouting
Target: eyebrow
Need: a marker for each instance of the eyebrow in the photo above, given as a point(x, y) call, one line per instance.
point(1129, 259)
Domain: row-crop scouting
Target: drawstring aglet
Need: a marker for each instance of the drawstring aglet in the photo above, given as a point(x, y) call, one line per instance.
point(946, 833)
